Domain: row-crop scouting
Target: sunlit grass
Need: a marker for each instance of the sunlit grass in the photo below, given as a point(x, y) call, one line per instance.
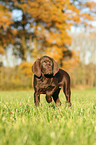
point(22, 123)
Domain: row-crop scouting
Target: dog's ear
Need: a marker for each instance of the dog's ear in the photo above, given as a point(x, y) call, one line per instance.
point(36, 68)
point(55, 67)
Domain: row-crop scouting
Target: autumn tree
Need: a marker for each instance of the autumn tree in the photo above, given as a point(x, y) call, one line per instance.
point(5, 21)
point(44, 27)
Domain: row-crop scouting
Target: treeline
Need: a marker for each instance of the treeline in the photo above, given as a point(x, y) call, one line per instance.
point(17, 78)
point(84, 76)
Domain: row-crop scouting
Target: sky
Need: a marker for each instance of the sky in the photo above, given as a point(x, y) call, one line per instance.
point(17, 15)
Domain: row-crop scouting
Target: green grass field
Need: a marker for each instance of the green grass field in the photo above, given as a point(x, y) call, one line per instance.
point(21, 123)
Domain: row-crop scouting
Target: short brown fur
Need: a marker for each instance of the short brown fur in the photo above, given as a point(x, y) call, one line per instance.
point(49, 79)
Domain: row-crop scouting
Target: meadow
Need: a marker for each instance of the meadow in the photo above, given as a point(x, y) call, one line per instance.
point(21, 123)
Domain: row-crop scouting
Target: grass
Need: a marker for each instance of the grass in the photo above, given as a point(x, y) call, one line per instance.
point(21, 123)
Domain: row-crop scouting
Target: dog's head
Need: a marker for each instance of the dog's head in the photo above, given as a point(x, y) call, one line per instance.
point(45, 65)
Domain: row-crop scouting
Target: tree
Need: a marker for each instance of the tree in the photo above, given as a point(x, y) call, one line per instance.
point(44, 27)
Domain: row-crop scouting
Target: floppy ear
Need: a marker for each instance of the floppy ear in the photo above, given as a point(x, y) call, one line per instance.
point(55, 67)
point(36, 69)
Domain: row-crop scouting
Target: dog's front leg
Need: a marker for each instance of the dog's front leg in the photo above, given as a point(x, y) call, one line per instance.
point(48, 98)
point(36, 98)
point(49, 93)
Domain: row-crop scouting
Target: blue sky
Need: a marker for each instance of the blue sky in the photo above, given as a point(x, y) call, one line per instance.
point(17, 15)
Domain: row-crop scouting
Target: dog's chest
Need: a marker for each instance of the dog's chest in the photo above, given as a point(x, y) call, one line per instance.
point(46, 84)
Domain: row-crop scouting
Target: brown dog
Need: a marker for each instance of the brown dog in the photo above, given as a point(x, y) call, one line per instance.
point(49, 79)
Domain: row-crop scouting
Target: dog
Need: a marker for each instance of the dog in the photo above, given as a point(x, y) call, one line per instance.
point(49, 79)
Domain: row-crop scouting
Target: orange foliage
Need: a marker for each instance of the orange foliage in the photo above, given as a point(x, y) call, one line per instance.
point(50, 20)
point(57, 23)
point(91, 4)
point(5, 22)
point(68, 65)
point(26, 68)
point(2, 50)
point(5, 17)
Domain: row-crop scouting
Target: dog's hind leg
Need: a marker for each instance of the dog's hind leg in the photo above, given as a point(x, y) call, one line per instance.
point(66, 90)
point(56, 97)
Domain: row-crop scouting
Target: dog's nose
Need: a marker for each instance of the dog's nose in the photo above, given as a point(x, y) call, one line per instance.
point(50, 69)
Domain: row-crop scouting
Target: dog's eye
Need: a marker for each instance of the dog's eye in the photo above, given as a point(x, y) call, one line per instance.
point(50, 64)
